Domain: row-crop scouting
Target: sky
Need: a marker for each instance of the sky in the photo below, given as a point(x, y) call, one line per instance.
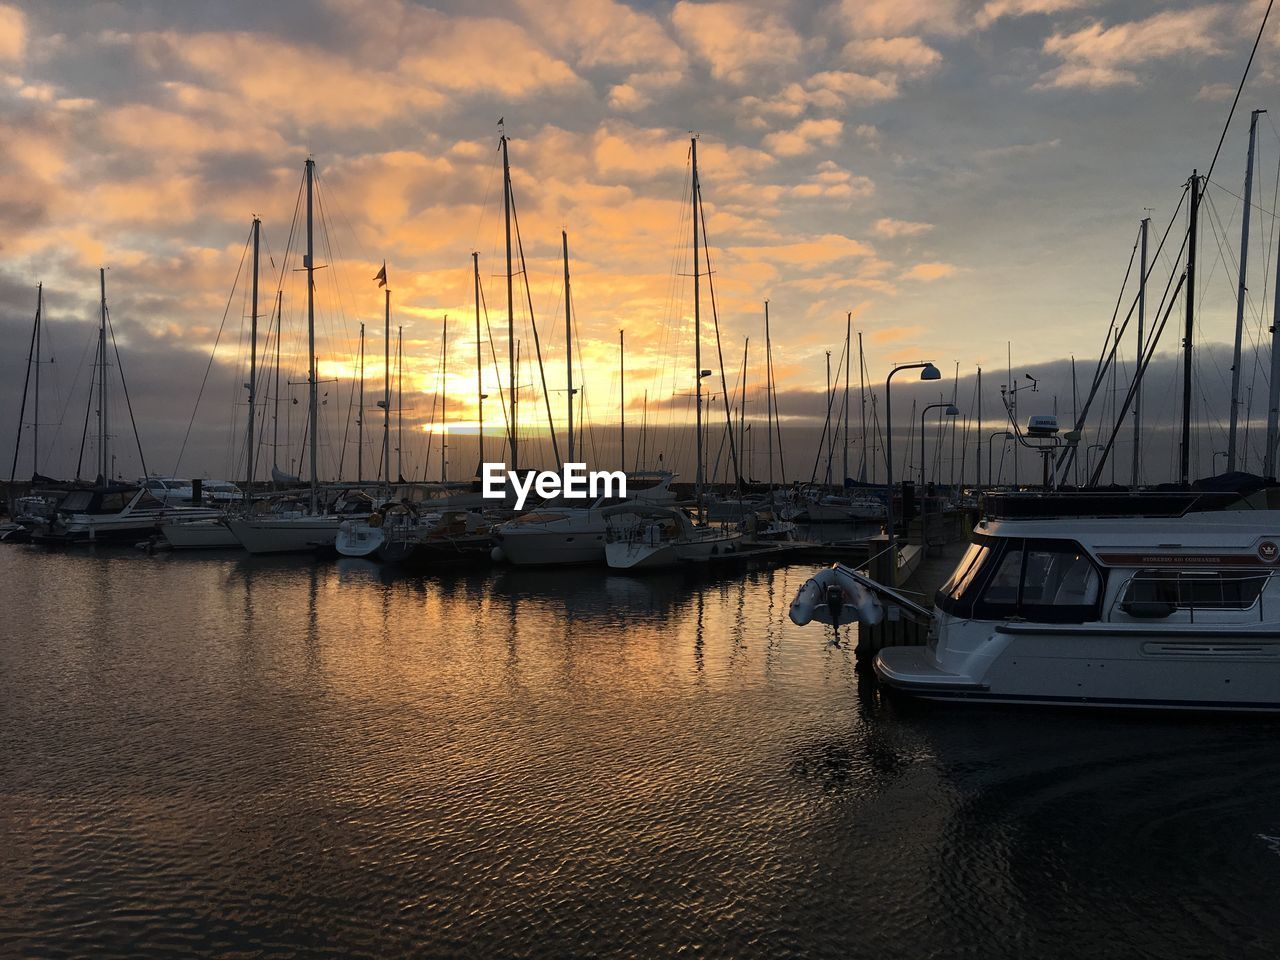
point(964, 177)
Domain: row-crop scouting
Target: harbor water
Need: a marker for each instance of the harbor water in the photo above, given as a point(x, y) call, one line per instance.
point(233, 757)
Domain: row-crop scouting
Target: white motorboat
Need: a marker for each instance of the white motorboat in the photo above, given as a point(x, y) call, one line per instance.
point(661, 537)
point(814, 506)
point(560, 532)
point(168, 490)
point(110, 512)
point(1172, 603)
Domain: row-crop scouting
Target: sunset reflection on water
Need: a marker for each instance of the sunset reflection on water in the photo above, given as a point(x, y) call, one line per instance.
point(218, 755)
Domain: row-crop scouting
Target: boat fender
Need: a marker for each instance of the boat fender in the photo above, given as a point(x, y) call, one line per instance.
point(497, 555)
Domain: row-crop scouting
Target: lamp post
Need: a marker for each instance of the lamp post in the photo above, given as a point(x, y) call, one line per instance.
point(927, 372)
point(948, 410)
point(1004, 435)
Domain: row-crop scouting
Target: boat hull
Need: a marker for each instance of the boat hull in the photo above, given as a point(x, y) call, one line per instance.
point(553, 547)
point(286, 534)
point(1211, 669)
point(630, 555)
point(358, 539)
point(199, 535)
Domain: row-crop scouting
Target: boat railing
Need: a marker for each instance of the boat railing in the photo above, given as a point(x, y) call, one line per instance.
point(1159, 594)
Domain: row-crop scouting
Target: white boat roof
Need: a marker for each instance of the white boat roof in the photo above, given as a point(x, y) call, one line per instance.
point(1109, 538)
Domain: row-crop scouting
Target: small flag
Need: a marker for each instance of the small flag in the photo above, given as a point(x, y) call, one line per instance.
point(382, 275)
point(500, 119)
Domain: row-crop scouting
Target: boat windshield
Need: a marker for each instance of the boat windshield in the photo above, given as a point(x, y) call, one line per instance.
point(540, 516)
point(1053, 581)
point(965, 571)
point(76, 501)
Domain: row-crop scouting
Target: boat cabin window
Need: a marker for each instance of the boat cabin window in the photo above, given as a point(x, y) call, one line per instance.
point(114, 502)
point(1160, 592)
point(76, 501)
point(1053, 581)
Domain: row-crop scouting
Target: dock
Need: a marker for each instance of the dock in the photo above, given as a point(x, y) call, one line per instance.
point(919, 573)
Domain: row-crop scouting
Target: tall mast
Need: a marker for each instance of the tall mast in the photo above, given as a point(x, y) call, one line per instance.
point(742, 408)
point(1240, 293)
point(475, 269)
point(697, 321)
point(622, 399)
point(360, 416)
point(253, 353)
point(1185, 471)
point(104, 470)
point(768, 389)
point(1273, 396)
point(642, 457)
point(511, 320)
point(1269, 462)
point(848, 345)
point(862, 403)
point(1137, 387)
point(33, 356)
point(831, 443)
point(444, 399)
point(35, 422)
point(568, 343)
point(313, 406)
point(275, 413)
point(400, 403)
point(978, 465)
point(386, 385)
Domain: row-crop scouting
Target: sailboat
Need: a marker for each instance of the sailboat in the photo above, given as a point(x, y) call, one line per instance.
point(106, 510)
point(563, 531)
point(292, 526)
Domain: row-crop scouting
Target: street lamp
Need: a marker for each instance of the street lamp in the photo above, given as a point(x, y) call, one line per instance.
point(927, 372)
point(1003, 435)
point(948, 410)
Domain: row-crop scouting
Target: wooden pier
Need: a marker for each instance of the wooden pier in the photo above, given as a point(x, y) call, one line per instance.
point(918, 574)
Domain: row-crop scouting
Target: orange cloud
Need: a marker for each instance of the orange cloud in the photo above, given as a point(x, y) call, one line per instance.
point(892, 18)
point(1095, 56)
point(736, 39)
point(897, 334)
point(604, 33)
point(928, 272)
point(805, 137)
point(888, 227)
point(13, 33)
point(915, 57)
point(815, 250)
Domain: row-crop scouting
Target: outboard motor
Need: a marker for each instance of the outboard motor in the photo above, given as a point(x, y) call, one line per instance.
point(835, 602)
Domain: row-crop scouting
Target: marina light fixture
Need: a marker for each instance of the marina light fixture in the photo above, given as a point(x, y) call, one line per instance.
point(927, 372)
point(951, 411)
